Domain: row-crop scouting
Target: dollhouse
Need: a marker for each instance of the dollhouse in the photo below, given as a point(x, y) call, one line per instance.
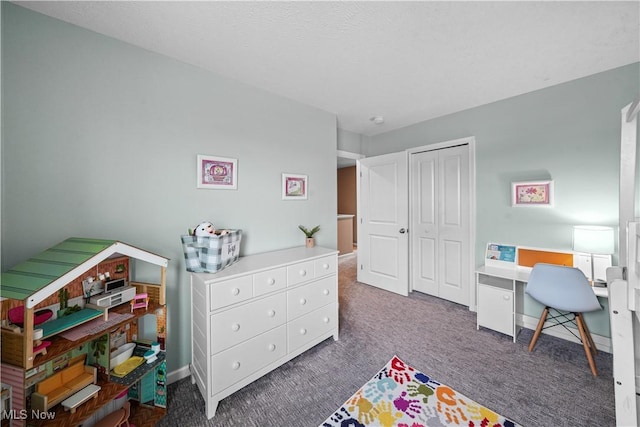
point(64, 329)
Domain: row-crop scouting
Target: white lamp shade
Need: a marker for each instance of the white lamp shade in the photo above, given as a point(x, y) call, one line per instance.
point(593, 239)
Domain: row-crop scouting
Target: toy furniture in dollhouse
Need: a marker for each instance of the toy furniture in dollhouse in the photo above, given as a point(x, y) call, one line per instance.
point(40, 347)
point(34, 373)
point(80, 397)
point(117, 418)
point(109, 300)
point(121, 354)
point(62, 385)
point(113, 298)
point(16, 316)
point(140, 301)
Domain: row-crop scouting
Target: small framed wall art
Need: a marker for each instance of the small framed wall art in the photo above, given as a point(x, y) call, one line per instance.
point(532, 193)
point(294, 187)
point(217, 173)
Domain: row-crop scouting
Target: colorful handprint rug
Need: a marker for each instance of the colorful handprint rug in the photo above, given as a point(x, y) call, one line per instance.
point(402, 396)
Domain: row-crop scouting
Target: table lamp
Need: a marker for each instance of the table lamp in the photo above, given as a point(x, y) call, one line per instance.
point(593, 239)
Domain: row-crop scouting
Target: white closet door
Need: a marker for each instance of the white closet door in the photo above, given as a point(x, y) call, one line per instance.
point(440, 215)
point(383, 245)
point(424, 225)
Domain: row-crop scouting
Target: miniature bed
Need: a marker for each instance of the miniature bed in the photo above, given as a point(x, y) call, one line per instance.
point(624, 281)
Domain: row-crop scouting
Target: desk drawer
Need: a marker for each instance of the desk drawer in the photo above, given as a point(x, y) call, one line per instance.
point(238, 362)
point(233, 326)
point(231, 291)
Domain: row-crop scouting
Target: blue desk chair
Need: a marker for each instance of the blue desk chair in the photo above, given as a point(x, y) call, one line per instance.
point(565, 290)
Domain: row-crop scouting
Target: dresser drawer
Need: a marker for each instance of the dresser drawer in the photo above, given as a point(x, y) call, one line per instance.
point(307, 298)
point(310, 326)
point(231, 291)
point(300, 272)
point(325, 266)
point(238, 362)
point(241, 323)
point(268, 281)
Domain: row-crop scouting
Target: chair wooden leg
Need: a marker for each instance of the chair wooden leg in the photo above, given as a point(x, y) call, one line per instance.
point(586, 339)
point(586, 329)
point(536, 334)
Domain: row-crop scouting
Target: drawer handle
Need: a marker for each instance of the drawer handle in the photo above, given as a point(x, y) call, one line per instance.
point(235, 327)
point(506, 297)
point(235, 366)
point(325, 320)
point(235, 291)
point(303, 273)
point(271, 281)
point(325, 266)
point(303, 331)
point(272, 347)
point(303, 301)
point(326, 292)
point(271, 313)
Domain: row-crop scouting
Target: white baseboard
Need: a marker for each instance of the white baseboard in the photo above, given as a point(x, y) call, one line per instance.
point(602, 343)
point(178, 374)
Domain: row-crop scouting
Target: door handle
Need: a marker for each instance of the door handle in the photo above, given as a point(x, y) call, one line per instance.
point(402, 231)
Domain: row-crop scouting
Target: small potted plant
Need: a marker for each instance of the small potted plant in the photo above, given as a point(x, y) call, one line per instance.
point(63, 298)
point(99, 347)
point(309, 233)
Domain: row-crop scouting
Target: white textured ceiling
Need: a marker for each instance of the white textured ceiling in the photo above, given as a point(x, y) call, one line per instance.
point(406, 61)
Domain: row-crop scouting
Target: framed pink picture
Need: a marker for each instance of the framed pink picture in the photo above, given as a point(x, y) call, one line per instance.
point(294, 187)
point(217, 173)
point(532, 193)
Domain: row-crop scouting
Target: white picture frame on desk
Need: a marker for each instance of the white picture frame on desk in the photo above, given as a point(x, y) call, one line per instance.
point(501, 255)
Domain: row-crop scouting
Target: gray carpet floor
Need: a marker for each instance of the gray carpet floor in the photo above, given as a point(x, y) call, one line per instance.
point(552, 386)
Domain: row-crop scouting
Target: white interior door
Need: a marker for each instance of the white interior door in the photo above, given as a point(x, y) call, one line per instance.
point(424, 222)
point(440, 221)
point(383, 208)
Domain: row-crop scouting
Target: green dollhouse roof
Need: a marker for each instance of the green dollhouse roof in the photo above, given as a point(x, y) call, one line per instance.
point(40, 276)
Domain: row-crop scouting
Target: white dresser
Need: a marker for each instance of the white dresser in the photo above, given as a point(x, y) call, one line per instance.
point(257, 314)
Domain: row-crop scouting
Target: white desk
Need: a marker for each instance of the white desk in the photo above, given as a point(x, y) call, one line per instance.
point(500, 294)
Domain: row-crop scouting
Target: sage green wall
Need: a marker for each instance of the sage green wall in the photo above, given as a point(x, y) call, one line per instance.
point(569, 133)
point(100, 140)
point(349, 141)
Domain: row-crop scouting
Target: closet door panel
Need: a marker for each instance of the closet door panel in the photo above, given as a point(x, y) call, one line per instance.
point(424, 227)
point(440, 241)
point(453, 230)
